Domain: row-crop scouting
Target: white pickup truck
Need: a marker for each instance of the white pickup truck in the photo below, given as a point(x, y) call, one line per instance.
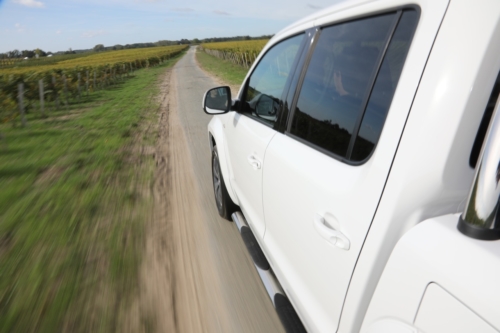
point(360, 162)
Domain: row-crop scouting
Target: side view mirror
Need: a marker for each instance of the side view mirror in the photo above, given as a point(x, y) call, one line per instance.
point(217, 100)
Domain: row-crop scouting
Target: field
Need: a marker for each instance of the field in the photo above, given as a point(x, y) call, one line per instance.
point(242, 53)
point(92, 59)
point(20, 62)
point(73, 203)
point(68, 77)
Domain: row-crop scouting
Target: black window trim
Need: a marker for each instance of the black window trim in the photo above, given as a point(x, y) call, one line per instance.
point(276, 125)
point(311, 36)
point(484, 124)
point(373, 79)
point(398, 11)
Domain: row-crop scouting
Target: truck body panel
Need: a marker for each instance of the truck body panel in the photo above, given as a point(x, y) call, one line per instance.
point(293, 193)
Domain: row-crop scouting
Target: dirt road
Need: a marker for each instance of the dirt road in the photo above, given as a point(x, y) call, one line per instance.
point(197, 275)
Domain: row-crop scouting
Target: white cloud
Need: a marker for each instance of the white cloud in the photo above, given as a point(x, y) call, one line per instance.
point(220, 12)
point(93, 33)
point(30, 3)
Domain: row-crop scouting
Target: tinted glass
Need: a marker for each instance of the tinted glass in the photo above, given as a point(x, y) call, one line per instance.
point(266, 84)
point(485, 122)
point(337, 81)
point(385, 85)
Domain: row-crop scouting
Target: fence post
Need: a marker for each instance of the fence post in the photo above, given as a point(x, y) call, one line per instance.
point(56, 101)
point(20, 95)
point(79, 90)
point(42, 102)
point(65, 91)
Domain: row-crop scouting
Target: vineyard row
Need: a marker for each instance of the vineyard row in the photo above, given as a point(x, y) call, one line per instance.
point(239, 53)
point(20, 93)
point(244, 59)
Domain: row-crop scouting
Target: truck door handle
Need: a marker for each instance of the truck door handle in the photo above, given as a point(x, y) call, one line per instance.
point(331, 233)
point(254, 162)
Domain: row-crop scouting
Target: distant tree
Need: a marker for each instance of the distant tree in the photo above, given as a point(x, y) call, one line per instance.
point(118, 47)
point(14, 54)
point(40, 53)
point(28, 53)
point(99, 47)
point(195, 41)
point(70, 51)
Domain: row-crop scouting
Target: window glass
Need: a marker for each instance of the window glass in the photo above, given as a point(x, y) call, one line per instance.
point(337, 80)
point(385, 85)
point(266, 84)
point(485, 122)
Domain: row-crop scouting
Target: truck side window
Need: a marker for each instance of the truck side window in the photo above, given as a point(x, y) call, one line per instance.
point(485, 122)
point(339, 84)
point(262, 95)
point(385, 85)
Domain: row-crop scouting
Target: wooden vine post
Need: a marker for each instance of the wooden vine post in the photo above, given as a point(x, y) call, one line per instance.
point(87, 83)
point(65, 91)
point(56, 99)
point(20, 96)
point(42, 102)
point(79, 90)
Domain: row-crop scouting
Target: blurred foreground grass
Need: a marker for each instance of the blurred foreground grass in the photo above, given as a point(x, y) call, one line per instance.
point(74, 197)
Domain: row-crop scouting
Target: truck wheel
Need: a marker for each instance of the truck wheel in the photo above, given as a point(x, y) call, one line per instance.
point(223, 201)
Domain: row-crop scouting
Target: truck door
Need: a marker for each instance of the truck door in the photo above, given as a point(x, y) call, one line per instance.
point(323, 177)
point(250, 131)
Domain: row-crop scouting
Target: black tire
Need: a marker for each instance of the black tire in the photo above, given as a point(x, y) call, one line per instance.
point(223, 201)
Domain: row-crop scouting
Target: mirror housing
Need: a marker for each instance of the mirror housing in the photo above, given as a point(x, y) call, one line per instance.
point(217, 100)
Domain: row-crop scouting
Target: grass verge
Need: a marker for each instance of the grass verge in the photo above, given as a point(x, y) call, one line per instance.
point(224, 69)
point(73, 201)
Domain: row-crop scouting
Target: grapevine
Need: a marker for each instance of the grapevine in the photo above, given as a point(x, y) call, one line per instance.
point(96, 71)
point(242, 53)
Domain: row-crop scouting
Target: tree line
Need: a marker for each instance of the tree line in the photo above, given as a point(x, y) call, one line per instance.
point(24, 53)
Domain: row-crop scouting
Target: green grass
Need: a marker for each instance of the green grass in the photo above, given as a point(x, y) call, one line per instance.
point(72, 211)
point(224, 69)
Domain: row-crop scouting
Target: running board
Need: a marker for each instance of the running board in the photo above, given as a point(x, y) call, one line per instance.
point(284, 308)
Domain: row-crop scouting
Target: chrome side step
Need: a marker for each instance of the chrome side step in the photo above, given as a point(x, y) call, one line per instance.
point(284, 308)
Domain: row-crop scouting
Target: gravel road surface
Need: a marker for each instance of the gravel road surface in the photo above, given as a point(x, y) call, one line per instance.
point(197, 275)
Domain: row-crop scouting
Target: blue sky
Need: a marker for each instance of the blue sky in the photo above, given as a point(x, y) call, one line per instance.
point(57, 25)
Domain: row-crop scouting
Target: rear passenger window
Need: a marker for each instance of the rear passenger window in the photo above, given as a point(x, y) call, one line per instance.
point(383, 90)
point(350, 82)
